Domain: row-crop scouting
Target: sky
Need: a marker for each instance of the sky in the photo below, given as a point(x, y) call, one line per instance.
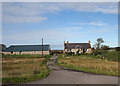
point(56, 22)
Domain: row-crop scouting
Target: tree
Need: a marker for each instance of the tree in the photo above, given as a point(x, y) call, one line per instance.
point(97, 45)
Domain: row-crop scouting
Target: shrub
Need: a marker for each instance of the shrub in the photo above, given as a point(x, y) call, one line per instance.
point(97, 52)
point(69, 53)
point(112, 55)
point(109, 55)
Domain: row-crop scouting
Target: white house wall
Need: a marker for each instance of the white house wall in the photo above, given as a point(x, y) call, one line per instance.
point(73, 50)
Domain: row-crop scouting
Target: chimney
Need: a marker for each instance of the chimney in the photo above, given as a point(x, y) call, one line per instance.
point(67, 42)
point(89, 41)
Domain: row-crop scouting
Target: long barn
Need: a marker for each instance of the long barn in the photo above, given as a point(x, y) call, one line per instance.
point(26, 49)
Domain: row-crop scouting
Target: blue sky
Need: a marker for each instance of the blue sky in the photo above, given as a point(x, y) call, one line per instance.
point(28, 22)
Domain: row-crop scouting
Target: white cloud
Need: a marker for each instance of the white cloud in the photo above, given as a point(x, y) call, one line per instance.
point(19, 19)
point(104, 7)
point(23, 10)
point(99, 31)
point(111, 11)
point(72, 28)
point(29, 8)
point(60, 0)
point(96, 23)
point(0, 22)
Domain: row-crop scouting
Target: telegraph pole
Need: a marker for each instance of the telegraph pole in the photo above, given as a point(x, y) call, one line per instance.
point(42, 47)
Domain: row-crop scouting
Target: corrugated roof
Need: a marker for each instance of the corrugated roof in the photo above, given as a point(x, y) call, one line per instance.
point(77, 45)
point(15, 48)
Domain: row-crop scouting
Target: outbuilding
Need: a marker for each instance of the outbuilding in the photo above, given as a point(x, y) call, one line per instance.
point(26, 49)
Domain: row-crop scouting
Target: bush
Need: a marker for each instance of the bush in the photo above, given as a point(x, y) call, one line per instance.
point(69, 53)
point(109, 55)
point(97, 52)
point(112, 55)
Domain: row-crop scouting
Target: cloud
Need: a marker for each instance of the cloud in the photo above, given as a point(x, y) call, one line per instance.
point(104, 7)
point(99, 31)
point(61, 1)
point(111, 11)
point(30, 11)
point(29, 8)
point(96, 23)
point(72, 28)
point(19, 19)
point(0, 22)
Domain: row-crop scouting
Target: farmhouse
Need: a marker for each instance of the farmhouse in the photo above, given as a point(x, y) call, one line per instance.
point(26, 49)
point(77, 47)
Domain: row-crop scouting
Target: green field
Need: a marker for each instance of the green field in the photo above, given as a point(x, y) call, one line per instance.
point(23, 68)
point(91, 63)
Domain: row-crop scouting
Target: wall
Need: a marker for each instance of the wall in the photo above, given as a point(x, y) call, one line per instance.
point(89, 50)
point(26, 52)
point(73, 50)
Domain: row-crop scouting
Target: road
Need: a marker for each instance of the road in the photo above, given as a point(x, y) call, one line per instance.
point(62, 76)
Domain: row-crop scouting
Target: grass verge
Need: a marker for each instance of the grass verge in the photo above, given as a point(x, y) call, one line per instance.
point(88, 64)
point(19, 70)
point(24, 78)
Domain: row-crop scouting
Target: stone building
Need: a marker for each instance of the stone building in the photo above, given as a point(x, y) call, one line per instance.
point(77, 47)
point(26, 49)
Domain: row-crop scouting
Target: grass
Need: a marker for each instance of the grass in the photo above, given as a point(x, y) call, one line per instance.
point(22, 56)
point(19, 69)
point(89, 64)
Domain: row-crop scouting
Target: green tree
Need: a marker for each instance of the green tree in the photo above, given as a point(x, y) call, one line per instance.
point(98, 43)
point(97, 46)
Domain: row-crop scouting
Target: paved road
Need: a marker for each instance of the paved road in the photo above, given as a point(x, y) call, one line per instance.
point(60, 76)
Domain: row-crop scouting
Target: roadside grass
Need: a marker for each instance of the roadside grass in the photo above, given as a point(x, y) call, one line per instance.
point(88, 64)
point(19, 69)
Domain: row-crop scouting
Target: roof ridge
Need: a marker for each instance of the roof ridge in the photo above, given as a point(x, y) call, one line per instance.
point(28, 45)
point(78, 43)
point(27, 48)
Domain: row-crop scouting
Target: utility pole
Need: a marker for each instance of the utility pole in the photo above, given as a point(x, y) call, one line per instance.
point(42, 47)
